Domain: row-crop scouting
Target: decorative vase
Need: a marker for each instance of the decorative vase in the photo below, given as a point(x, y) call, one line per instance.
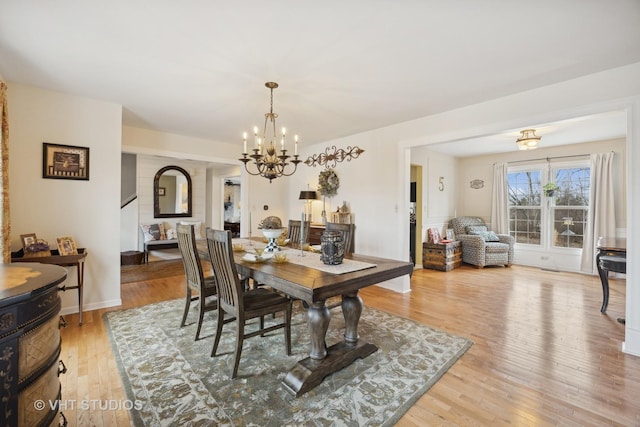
point(331, 248)
point(272, 235)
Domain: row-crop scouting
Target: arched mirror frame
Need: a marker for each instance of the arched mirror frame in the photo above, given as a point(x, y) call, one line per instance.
point(156, 191)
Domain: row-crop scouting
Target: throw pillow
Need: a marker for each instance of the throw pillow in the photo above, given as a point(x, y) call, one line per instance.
point(475, 229)
point(151, 232)
point(171, 234)
point(481, 230)
point(197, 227)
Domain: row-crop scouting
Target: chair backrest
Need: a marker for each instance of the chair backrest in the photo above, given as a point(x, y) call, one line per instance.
point(295, 227)
point(348, 234)
point(190, 258)
point(460, 224)
point(221, 256)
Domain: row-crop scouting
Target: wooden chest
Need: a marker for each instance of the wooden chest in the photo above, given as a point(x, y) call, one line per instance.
point(441, 256)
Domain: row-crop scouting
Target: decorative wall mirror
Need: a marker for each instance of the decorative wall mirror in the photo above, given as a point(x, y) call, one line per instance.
point(172, 193)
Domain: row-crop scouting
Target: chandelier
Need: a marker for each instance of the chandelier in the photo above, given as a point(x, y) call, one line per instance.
point(268, 163)
point(528, 140)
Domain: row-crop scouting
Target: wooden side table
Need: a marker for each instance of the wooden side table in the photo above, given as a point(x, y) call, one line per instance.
point(63, 261)
point(442, 256)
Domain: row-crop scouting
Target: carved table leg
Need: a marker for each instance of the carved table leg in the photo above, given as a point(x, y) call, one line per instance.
point(318, 318)
point(309, 372)
point(351, 309)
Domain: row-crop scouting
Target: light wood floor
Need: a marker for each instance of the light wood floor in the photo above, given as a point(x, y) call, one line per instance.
point(542, 354)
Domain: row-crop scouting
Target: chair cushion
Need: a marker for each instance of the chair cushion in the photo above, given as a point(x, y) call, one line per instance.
point(481, 230)
point(496, 247)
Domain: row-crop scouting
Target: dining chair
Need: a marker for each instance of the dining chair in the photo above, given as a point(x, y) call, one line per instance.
point(205, 287)
point(242, 305)
point(348, 234)
point(295, 228)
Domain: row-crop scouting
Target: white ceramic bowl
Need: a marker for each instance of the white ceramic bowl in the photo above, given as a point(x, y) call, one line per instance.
point(272, 233)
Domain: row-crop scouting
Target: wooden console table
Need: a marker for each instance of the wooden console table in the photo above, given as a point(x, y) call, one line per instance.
point(63, 261)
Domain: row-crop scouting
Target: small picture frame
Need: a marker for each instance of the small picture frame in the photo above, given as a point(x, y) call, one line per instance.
point(66, 246)
point(450, 234)
point(28, 239)
point(433, 235)
point(161, 191)
point(65, 161)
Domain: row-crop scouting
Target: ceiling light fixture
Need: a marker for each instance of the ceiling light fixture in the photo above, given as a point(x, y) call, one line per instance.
point(269, 164)
point(528, 140)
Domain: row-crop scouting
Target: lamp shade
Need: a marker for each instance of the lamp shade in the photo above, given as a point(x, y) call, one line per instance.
point(308, 195)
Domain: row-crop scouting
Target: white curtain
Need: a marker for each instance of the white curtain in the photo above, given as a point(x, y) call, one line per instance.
point(500, 200)
point(602, 219)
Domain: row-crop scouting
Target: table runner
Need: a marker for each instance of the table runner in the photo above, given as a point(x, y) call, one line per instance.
point(311, 259)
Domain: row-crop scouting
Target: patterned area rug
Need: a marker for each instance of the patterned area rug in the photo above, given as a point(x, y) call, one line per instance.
point(176, 382)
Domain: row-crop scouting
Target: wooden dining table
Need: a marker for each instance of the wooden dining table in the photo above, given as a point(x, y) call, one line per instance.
point(315, 287)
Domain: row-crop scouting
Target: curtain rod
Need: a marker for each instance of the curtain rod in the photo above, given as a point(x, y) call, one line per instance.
point(551, 158)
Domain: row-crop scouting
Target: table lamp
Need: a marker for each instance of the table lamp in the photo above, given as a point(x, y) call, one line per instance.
point(308, 196)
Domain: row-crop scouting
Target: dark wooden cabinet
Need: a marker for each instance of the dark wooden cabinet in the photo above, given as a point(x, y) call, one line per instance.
point(30, 344)
point(441, 256)
point(315, 233)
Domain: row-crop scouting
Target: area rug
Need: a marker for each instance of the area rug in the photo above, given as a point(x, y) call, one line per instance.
point(174, 381)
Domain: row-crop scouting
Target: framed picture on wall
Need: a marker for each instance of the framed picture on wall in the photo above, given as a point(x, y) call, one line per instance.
point(161, 191)
point(65, 161)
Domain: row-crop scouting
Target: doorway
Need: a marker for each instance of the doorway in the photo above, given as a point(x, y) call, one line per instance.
point(415, 215)
point(231, 205)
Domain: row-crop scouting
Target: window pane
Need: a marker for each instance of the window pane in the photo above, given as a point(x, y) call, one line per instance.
point(568, 227)
point(574, 187)
point(524, 188)
point(524, 206)
point(524, 225)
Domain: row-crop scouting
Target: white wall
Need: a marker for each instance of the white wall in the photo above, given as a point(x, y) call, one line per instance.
point(86, 210)
point(377, 184)
point(438, 207)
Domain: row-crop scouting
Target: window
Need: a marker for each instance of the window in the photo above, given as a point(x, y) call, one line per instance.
point(549, 221)
point(570, 206)
point(525, 206)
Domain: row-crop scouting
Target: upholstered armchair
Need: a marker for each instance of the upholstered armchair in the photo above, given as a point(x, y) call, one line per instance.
point(480, 246)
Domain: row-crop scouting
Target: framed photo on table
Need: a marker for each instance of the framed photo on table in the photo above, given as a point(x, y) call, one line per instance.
point(66, 246)
point(65, 161)
point(28, 239)
point(450, 234)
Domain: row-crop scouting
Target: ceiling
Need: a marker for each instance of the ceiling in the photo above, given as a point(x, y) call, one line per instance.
point(198, 68)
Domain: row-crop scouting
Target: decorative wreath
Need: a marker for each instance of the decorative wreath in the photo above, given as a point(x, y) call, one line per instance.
point(328, 183)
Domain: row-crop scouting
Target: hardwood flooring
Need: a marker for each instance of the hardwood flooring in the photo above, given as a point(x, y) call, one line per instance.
point(542, 354)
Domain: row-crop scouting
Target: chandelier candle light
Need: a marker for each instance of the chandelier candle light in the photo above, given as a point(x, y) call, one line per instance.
point(269, 164)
